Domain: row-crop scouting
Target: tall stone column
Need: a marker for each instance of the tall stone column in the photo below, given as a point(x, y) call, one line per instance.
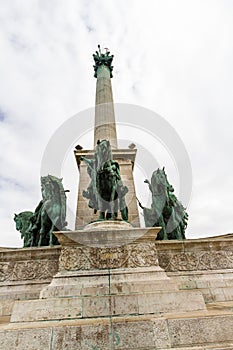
point(105, 125)
point(105, 129)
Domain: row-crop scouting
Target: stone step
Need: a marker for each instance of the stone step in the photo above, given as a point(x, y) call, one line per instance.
point(107, 305)
point(215, 286)
point(219, 346)
point(74, 290)
point(101, 282)
point(196, 330)
point(4, 320)
point(224, 305)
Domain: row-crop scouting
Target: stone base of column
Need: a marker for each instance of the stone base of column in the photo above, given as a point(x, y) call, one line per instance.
point(126, 159)
point(116, 297)
point(115, 275)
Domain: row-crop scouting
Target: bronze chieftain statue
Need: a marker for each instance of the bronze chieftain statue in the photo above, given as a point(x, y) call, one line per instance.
point(106, 191)
point(37, 227)
point(166, 211)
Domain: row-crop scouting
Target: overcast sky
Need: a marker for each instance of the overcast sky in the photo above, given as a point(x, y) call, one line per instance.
point(172, 57)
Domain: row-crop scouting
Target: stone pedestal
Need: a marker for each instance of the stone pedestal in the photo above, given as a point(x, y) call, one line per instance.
point(111, 294)
point(105, 273)
point(23, 273)
point(126, 159)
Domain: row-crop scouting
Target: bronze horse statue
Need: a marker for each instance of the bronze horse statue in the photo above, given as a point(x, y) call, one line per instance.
point(166, 211)
point(37, 227)
point(23, 222)
point(53, 210)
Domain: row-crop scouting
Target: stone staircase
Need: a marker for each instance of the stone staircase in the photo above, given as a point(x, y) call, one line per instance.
point(118, 297)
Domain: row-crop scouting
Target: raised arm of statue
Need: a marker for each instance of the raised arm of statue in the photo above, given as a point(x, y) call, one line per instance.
point(149, 184)
point(89, 162)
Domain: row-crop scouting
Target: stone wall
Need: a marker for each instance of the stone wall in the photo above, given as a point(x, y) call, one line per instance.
point(206, 265)
point(195, 255)
point(24, 272)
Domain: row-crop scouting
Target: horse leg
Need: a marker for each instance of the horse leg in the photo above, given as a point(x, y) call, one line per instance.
point(102, 215)
point(113, 203)
point(124, 214)
point(162, 223)
point(178, 233)
point(162, 235)
point(51, 236)
point(41, 234)
point(101, 208)
point(42, 226)
point(33, 241)
point(109, 215)
point(115, 209)
point(55, 226)
point(123, 209)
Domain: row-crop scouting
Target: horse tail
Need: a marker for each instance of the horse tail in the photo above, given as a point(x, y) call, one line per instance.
point(139, 203)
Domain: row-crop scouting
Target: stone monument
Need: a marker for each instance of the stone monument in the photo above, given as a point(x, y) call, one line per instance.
point(111, 285)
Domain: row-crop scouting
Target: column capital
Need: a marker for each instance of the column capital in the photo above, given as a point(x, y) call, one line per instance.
point(103, 59)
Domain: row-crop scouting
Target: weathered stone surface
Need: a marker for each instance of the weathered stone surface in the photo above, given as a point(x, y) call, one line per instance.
point(28, 264)
point(24, 272)
point(197, 331)
point(109, 225)
point(47, 309)
point(107, 238)
point(87, 258)
point(25, 339)
point(205, 331)
point(132, 291)
point(107, 281)
point(85, 337)
point(96, 306)
point(215, 285)
point(196, 255)
point(96, 337)
point(161, 334)
point(66, 338)
point(200, 264)
point(6, 307)
point(124, 305)
point(133, 335)
point(168, 302)
point(107, 305)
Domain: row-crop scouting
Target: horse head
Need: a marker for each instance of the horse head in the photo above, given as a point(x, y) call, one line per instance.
point(54, 202)
point(159, 179)
point(23, 221)
point(46, 187)
point(18, 222)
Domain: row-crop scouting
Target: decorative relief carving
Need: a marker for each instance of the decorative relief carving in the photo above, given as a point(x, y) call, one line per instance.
point(73, 258)
point(28, 270)
point(87, 258)
point(104, 258)
point(143, 255)
point(5, 271)
point(201, 260)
